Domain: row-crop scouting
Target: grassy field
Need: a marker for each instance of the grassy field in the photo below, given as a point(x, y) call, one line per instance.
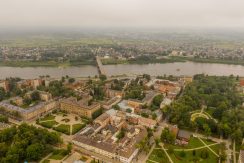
point(58, 154)
point(193, 143)
point(45, 63)
point(48, 117)
point(48, 124)
point(63, 128)
point(158, 155)
point(177, 157)
point(77, 127)
point(112, 61)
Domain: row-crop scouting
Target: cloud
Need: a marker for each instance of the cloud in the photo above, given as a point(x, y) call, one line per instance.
point(122, 13)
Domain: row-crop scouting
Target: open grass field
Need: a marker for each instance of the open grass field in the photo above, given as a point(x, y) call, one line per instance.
point(77, 127)
point(177, 157)
point(158, 155)
point(193, 143)
point(58, 154)
point(48, 124)
point(63, 128)
point(48, 117)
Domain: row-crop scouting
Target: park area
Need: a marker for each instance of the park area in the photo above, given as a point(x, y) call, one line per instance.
point(68, 124)
point(198, 150)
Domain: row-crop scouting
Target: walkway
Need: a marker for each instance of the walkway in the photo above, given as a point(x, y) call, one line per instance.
point(170, 160)
point(208, 147)
point(149, 153)
point(191, 149)
point(234, 151)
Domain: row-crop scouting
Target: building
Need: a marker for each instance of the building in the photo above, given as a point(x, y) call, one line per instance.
point(112, 93)
point(101, 137)
point(36, 83)
point(44, 96)
point(241, 157)
point(147, 122)
point(147, 100)
point(27, 114)
point(166, 101)
point(4, 84)
point(81, 108)
point(184, 135)
point(124, 105)
point(110, 103)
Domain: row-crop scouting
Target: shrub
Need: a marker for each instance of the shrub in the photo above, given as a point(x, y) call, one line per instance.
point(204, 154)
point(182, 153)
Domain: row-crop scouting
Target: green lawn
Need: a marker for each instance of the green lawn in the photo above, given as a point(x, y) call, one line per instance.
point(58, 154)
point(48, 117)
point(77, 127)
point(193, 143)
point(216, 148)
point(63, 128)
point(46, 161)
point(48, 124)
point(158, 155)
point(208, 141)
point(189, 157)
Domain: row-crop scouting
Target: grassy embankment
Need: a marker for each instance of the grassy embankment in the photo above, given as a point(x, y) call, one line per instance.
point(44, 63)
point(111, 61)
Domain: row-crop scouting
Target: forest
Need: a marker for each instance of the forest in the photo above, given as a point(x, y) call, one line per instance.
point(215, 96)
point(26, 143)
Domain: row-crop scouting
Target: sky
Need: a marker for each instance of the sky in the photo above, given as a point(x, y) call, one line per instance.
point(121, 13)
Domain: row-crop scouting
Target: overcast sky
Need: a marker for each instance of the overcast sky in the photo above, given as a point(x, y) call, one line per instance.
point(121, 13)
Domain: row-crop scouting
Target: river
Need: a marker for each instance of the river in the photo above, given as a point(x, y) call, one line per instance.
point(179, 68)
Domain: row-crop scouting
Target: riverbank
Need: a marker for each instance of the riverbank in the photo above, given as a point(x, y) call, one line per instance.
point(148, 60)
point(111, 61)
point(44, 63)
point(172, 60)
point(219, 61)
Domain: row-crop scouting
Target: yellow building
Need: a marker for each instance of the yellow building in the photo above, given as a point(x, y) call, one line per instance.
point(71, 105)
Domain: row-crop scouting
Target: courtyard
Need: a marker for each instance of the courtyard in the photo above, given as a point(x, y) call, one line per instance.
point(68, 124)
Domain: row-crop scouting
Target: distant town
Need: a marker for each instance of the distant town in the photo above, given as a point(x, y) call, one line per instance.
point(63, 51)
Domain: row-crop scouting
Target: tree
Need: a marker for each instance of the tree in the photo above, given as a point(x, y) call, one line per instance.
point(167, 136)
point(171, 150)
point(69, 148)
point(34, 151)
point(27, 143)
point(116, 107)
point(3, 119)
point(128, 110)
point(154, 116)
point(71, 80)
point(35, 96)
point(207, 130)
point(157, 100)
point(121, 134)
point(102, 77)
point(182, 153)
point(146, 76)
point(2, 94)
point(204, 154)
point(97, 113)
point(143, 145)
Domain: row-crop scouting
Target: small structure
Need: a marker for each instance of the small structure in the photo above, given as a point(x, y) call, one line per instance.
point(184, 135)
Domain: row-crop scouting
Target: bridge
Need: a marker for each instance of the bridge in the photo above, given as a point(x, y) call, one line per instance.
point(100, 66)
